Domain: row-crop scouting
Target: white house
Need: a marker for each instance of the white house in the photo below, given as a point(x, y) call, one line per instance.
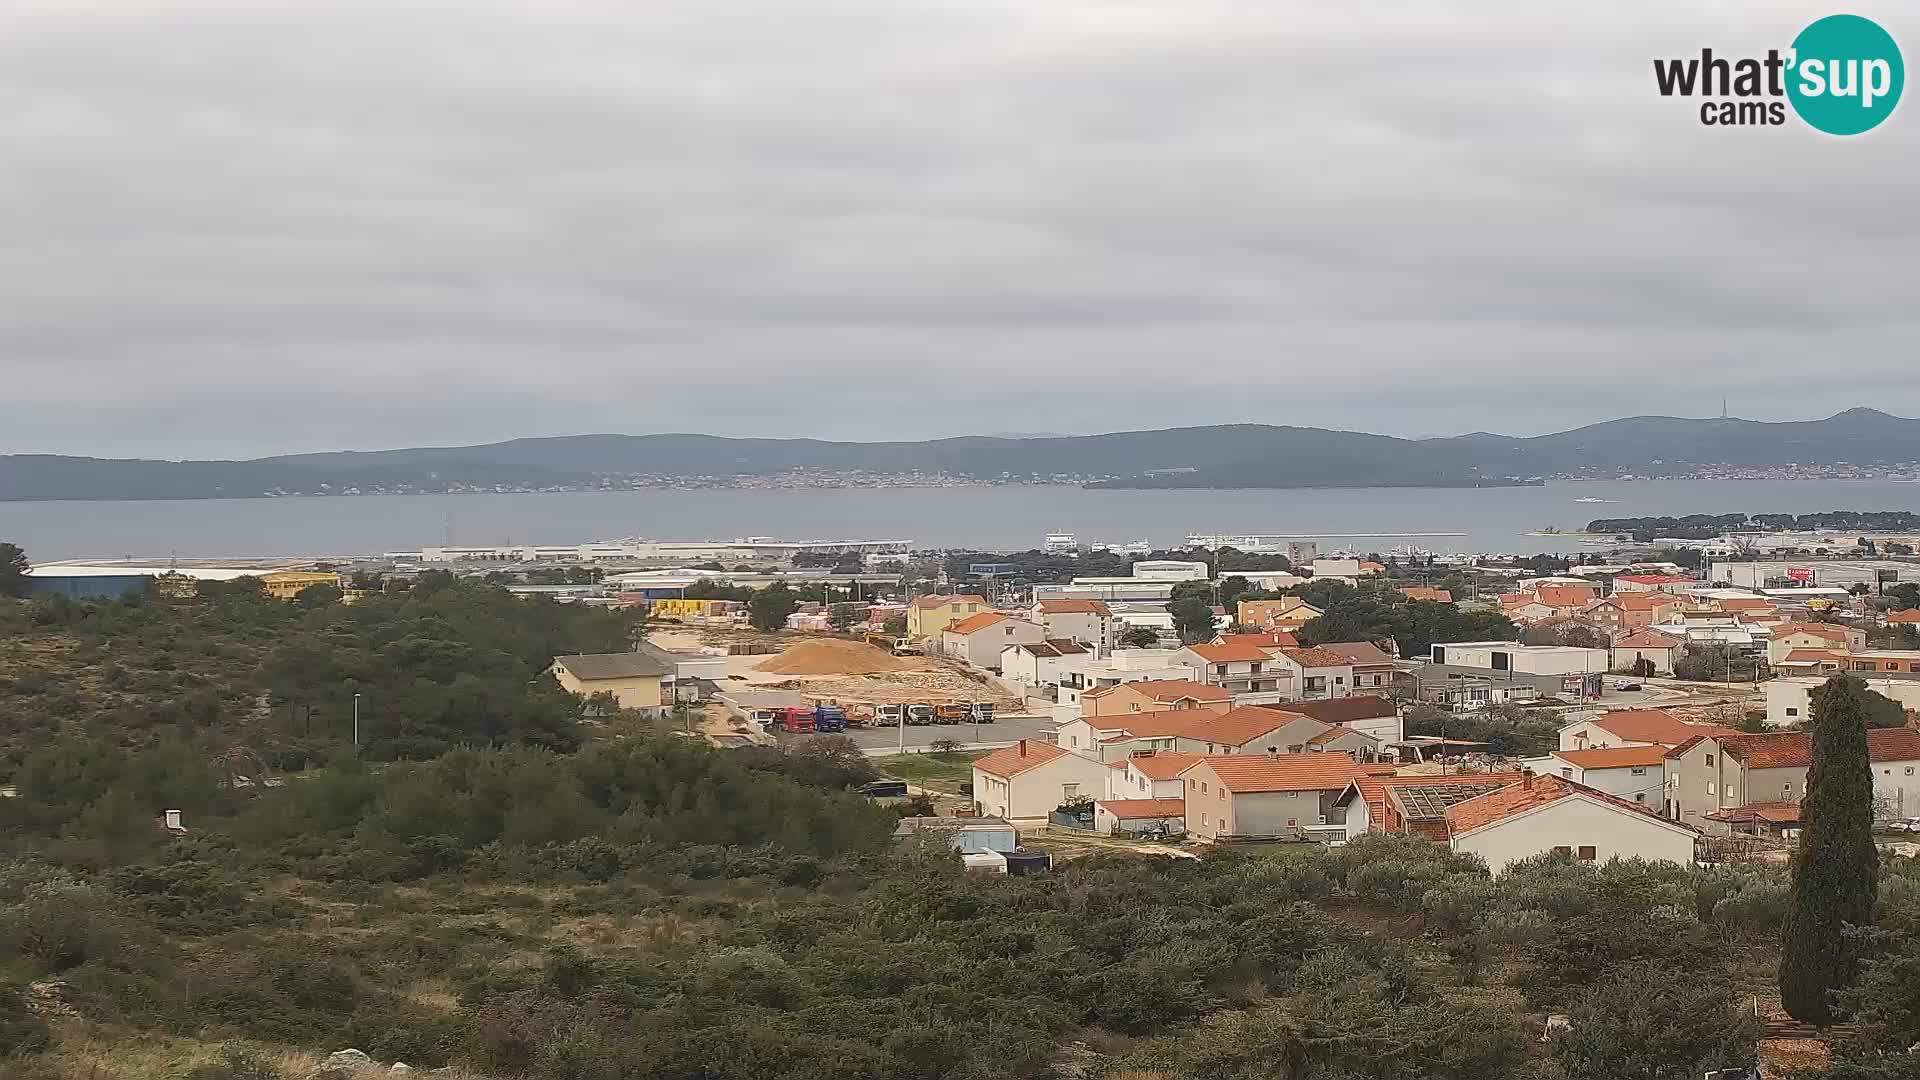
point(1253, 675)
point(1149, 774)
point(1790, 698)
point(1079, 674)
point(1542, 814)
point(1027, 780)
point(1037, 663)
point(1633, 727)
point(1317, 673)
point(1367, 713)
point(1635, 773)
point(980, 639)
point(1170, 570)
point(1523, 659)
point(1651, 646)
point(1089, 622)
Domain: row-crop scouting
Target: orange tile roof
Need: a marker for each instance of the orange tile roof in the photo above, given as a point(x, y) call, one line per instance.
point(1654, 726)
point(1641, 601)
point(1256, 773)
point(1230, 654)
point(1564, 595)
point(1074, 607)
point(1272, 639)
point(1646, 639)
point(1357, 652)
point(975, 623)
point(943, 601)
point(1614, 757)
point(1135, 809)
point(1778, 813)
point(1809, 656)
point(1237, 726)
point(1744, 603)
point(1794, 749)
point(1820, 630)
point(1160, 764)
point(1905, 615)
point(1532, 792)
point(1423, 592)
point(1316, 657)
point(1010, 761)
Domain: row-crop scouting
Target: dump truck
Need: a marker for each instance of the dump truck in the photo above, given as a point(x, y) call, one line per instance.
point(982, 712)
point(796, 720)
point(829, 718)
point(920, 714)
point(889, 715)
point(952, 712)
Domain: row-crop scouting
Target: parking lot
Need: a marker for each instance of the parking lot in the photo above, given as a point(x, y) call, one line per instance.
point(1003, 731)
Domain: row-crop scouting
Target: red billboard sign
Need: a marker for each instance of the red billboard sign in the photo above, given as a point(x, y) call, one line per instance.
point(1799, 573)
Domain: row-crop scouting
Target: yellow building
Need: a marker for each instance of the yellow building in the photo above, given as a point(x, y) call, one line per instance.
point(286, 584)
point(929, 616)
point(634, 679)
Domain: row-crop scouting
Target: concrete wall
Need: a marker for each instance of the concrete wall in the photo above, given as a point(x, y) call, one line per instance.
point(1575, 822)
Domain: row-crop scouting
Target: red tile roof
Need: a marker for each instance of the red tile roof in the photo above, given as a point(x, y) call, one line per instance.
point(1256, 773)
point(1237, 727)
point(1794, 749)
point(1316, 657)
point(975, 623)
point(1654, 726)
point(1422, 592)
point(1905, 615)
point(1614, 757)
point(1809, 656)
point(1744, 603)
point(1074, 607)
point(1821, 630)
point(1565, 595)
point(1532, 792)
point(1641, 601)
point(1135, 809)
point(1010, 761)
point(1230, 654)
point(1646, 639)
point(1175, 689)
point(1160, 764)
point(1777, 813)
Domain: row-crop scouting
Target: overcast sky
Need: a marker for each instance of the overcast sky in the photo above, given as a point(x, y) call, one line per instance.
point(245, 227)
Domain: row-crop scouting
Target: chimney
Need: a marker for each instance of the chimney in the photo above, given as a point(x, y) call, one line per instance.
point(173, 819)
point(1023, 748)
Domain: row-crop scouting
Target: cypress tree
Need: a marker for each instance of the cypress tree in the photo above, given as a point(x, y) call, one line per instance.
point(1835, 872)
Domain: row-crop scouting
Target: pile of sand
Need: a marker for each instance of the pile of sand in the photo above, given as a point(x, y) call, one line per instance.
point(834, 657)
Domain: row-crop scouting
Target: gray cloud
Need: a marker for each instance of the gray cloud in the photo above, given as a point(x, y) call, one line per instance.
point(248, 228)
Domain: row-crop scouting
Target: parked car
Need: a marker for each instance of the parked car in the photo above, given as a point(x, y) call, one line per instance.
point(1626, 686)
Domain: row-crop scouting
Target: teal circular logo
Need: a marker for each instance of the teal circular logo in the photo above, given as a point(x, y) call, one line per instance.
point(1846, 75)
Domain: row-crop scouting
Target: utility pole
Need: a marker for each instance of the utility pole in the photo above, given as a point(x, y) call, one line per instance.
point(356, 723)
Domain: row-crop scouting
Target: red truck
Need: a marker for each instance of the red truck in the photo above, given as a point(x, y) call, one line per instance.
point(795, 720)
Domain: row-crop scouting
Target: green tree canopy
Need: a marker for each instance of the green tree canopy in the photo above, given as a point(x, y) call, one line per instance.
point(13, 570)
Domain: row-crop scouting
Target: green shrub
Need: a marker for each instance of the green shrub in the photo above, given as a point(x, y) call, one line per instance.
point(22, 1032)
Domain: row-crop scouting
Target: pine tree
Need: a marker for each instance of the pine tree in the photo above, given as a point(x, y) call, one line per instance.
point(1835, 870)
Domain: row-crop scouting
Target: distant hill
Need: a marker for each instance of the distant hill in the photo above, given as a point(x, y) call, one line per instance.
point(1224, 456)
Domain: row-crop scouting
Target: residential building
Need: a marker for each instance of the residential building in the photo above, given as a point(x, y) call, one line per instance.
point(1542, 814)
point(1651, 646)
point(1815, 662)
point(1371, 714)
point(1319, 672)
point(1720, 772)
point(1121, 816)
point(1882, 661)
point(1527, 611)
point(1635, 773)
point(1149, 774)
point(1258, 795)
point(1288, 613)
point(1081, 674)
point(634, 679)
point(1249, 672)
point(1788, 637)
point(927, 616)
point(1410, 804)
point(1153, 695)
point(980, 639)
point(1426, 593)
point(1790, 697)
point(1359, 744)
point(1373, 668)
point(1089, 622)
point(1628, 611)
point(1246, 730)
point(1110, 590)
point(1347, 570)
point(1469, 688)
point(1037, 663)
point(1646, 583)
point(1904, 617)
point(1028, 780)
point(1633, 727)
point(1265, 639)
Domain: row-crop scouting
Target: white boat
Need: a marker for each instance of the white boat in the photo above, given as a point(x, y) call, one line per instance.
point(1590, 499)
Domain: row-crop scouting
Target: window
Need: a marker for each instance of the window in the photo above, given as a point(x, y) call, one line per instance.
point(1562, 849)
point(1710, 790)
point(1791, 711)
point(1073, 740)
point(1909, 770)
point(1068, 791)
point(1587, 854)
point(1223, 794)
point(1709, 761)
point(1639, 796)
point(1568, 773)
point(1203, 787)
point(1203, 819)
point(1637, 770)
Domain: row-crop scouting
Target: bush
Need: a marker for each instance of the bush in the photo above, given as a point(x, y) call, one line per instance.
point(22, 1032)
